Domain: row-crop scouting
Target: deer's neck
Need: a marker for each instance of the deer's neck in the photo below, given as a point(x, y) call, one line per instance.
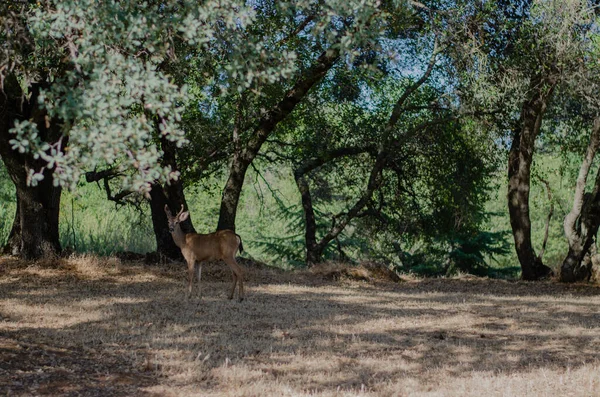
point(178, 237)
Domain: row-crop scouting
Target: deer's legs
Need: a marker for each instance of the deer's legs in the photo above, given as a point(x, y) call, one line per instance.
point(234, 279)
point(199, 269)
point(238, 275)
point(190, 279)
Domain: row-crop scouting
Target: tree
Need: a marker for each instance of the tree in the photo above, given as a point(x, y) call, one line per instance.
point(34, 232)
point(335, 29)
point(83, 90)
point(378, 155)
point(520, 159)
point(382, 156)
point(582, 222)
point(516, 56)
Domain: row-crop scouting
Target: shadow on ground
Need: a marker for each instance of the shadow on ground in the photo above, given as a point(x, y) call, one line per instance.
point(121, 330)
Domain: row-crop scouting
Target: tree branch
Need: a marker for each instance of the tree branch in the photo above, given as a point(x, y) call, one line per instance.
point(399, 106)
point(299, 29)
point(316, 162)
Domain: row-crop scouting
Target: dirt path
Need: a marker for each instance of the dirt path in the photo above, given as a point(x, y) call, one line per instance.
point(95, 327)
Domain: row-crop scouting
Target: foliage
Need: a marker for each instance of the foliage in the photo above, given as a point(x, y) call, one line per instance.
point(469, 253)
point(501, 45)
point(121, 78)
point(91, 224)
point(101, 65)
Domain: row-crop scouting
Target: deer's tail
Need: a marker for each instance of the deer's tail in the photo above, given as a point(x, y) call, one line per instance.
point(241, 246)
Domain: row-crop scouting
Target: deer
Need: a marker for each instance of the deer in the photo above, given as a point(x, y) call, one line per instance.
point(197, 248)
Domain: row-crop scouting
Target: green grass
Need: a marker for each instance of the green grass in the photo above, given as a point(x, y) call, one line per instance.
point(561, 175)
point(90, 223)
point(7, 204)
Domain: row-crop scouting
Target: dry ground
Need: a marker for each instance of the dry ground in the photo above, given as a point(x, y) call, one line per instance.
point(102, 327)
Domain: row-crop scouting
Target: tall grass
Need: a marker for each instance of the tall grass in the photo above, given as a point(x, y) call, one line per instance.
point(7, 204)
point(7, 213)
point(560, 172)
point(90, 223)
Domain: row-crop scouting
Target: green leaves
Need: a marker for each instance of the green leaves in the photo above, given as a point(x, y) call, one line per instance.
point(101, 66)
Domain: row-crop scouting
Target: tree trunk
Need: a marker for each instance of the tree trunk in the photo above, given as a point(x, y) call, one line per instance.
point(519, 175)
point(314, 253)
point(39, 209)
point(35, 234)
point(159, 197)
point(577, 266)
point(173, 196)
point(581, 224)
point(266, 125)
point(232, 191)
point(165, 246)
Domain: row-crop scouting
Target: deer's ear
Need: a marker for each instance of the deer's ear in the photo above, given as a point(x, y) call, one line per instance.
point(168, 211)
point(184, 216)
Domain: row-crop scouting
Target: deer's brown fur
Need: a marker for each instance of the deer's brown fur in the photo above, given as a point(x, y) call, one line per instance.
point(197, 248)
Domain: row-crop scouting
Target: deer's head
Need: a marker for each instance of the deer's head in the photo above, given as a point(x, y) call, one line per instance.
point(177, 219)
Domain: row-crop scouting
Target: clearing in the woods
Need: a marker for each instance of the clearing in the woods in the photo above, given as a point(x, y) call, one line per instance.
point(106, 327)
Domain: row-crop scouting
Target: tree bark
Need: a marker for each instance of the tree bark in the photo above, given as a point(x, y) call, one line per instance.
point(519, 175)
point(581, 223)
point(159, 197)
point(35, 234)
point(314, 253)
point(39, 209)
point(577, 265)
point(172, 195)
point(265, 126)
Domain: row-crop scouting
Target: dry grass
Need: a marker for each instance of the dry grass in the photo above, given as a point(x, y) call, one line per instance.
point(89, 326)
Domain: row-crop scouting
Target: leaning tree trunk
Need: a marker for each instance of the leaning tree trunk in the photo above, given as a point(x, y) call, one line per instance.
point(35, 234)
point(233, 190)
point(519, 175)
point(266, 125)
point(581, 223)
